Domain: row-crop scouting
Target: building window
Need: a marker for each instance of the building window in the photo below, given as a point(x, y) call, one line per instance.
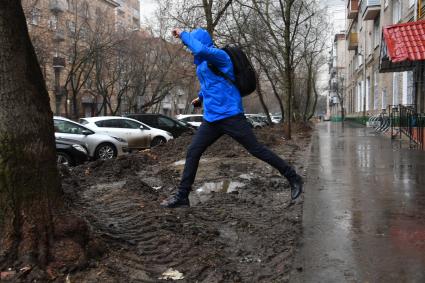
point(384, 99)
point(395, 89)
point(84, 11)
point(376, 32)
point(396, 11)
point(407, 88)
point(35, 16)
point(411, 3)
point(53, 22)
point(72, 28)
point(376, 89)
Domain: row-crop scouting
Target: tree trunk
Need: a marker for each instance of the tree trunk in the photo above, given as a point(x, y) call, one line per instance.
point(307, 103)
point(30, 188)
point(288, 69)
point(275, 92)
point(316, 97)
point(260, 96)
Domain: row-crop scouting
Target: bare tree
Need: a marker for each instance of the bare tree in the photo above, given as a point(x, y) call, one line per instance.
point(196, 13)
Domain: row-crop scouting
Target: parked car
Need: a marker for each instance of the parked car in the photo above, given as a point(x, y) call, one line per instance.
point(159, 121)
point(254, 124)
point(70, 153)
point(276, 118)
point(258, 119)
point(193, 119)
point(99, 146)
point(137, 134)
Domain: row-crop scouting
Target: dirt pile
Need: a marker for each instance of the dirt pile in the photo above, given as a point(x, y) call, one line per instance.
point(241, 226)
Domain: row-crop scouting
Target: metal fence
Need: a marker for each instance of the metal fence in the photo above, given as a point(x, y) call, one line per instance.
point(405, 120)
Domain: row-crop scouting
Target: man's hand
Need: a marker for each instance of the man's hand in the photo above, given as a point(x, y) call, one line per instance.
point(176, 32)
point(196, 102)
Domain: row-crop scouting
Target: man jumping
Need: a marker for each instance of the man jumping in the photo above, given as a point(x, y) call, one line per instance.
point(223, 114)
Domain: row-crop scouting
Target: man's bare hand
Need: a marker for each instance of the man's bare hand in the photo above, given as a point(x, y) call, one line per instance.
point(196, 102)
point(176, 32)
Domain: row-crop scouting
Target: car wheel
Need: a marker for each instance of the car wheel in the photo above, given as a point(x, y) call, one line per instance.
point(157, 141)
point(64, 159)
point(105, 151)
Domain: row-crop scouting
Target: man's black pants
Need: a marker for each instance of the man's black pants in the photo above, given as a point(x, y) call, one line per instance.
point(239, 129)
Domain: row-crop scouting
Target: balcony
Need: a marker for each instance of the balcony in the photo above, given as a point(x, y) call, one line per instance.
point(59, 35)
point(370, 9)
point(353, 41)
point(352, 9)
point(57, 6)
point(58, 62)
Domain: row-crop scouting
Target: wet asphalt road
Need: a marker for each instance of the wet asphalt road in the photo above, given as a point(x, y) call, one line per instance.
point(364, 209)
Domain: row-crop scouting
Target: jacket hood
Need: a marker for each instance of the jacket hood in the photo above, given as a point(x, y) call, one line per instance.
point(204, 37)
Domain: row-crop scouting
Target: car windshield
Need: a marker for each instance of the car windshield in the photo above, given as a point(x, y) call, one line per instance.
point(66, 127)
point(181, 123)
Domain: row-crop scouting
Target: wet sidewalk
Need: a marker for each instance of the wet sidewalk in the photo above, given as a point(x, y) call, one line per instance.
point(364, 209)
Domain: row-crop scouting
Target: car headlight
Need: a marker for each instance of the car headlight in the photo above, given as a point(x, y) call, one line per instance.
point(120, 139)
point(79, 148)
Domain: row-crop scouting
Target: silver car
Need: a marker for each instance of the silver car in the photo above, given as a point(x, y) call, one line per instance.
point(99, 146)
point(137, 134)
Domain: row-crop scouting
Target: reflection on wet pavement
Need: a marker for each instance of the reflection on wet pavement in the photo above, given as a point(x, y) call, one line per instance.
point(364, 209)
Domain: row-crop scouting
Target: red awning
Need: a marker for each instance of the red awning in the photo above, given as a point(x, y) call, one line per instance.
point(405, 42)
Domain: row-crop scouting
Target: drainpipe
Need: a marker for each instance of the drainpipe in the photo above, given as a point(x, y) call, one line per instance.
point(364, 70)
point(415, 16)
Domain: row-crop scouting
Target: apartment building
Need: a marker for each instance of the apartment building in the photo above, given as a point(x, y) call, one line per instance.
point(128, 14)
point(59, 30)
point(370, 88)
point(337, 78)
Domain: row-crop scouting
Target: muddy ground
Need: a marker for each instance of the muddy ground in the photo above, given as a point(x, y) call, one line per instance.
point(241, 226)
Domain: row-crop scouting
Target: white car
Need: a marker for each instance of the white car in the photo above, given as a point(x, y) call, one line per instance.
point(192, 119)
point(99, 146)
point(137, 134)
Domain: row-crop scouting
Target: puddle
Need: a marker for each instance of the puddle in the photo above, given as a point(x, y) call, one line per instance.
point(202, 160)
point(205, 192)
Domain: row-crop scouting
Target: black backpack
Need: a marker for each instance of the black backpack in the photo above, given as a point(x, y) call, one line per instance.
point(245, 76)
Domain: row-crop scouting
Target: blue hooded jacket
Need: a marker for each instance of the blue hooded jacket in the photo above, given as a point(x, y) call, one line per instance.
point(220, 97)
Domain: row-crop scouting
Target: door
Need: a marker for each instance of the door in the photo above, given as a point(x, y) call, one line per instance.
point(137, 135)
point(71, 132)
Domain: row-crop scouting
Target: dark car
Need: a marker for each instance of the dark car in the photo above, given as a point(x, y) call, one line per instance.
point(70, 153)
point(159, 121)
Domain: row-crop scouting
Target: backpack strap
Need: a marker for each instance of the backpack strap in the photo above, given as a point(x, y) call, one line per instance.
point(217, 71)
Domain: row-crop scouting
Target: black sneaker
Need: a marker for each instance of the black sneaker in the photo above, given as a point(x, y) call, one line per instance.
point(296, 184)
point(175, 201)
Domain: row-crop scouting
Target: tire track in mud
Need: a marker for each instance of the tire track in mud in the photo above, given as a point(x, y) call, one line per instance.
point(246, 236)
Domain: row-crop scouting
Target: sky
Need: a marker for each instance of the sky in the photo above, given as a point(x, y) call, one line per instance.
point(336, 12)
point(147, 9)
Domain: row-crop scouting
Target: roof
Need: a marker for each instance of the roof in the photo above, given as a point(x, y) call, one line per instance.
point(405, 42)
point(101, 118)
point(403, 47)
